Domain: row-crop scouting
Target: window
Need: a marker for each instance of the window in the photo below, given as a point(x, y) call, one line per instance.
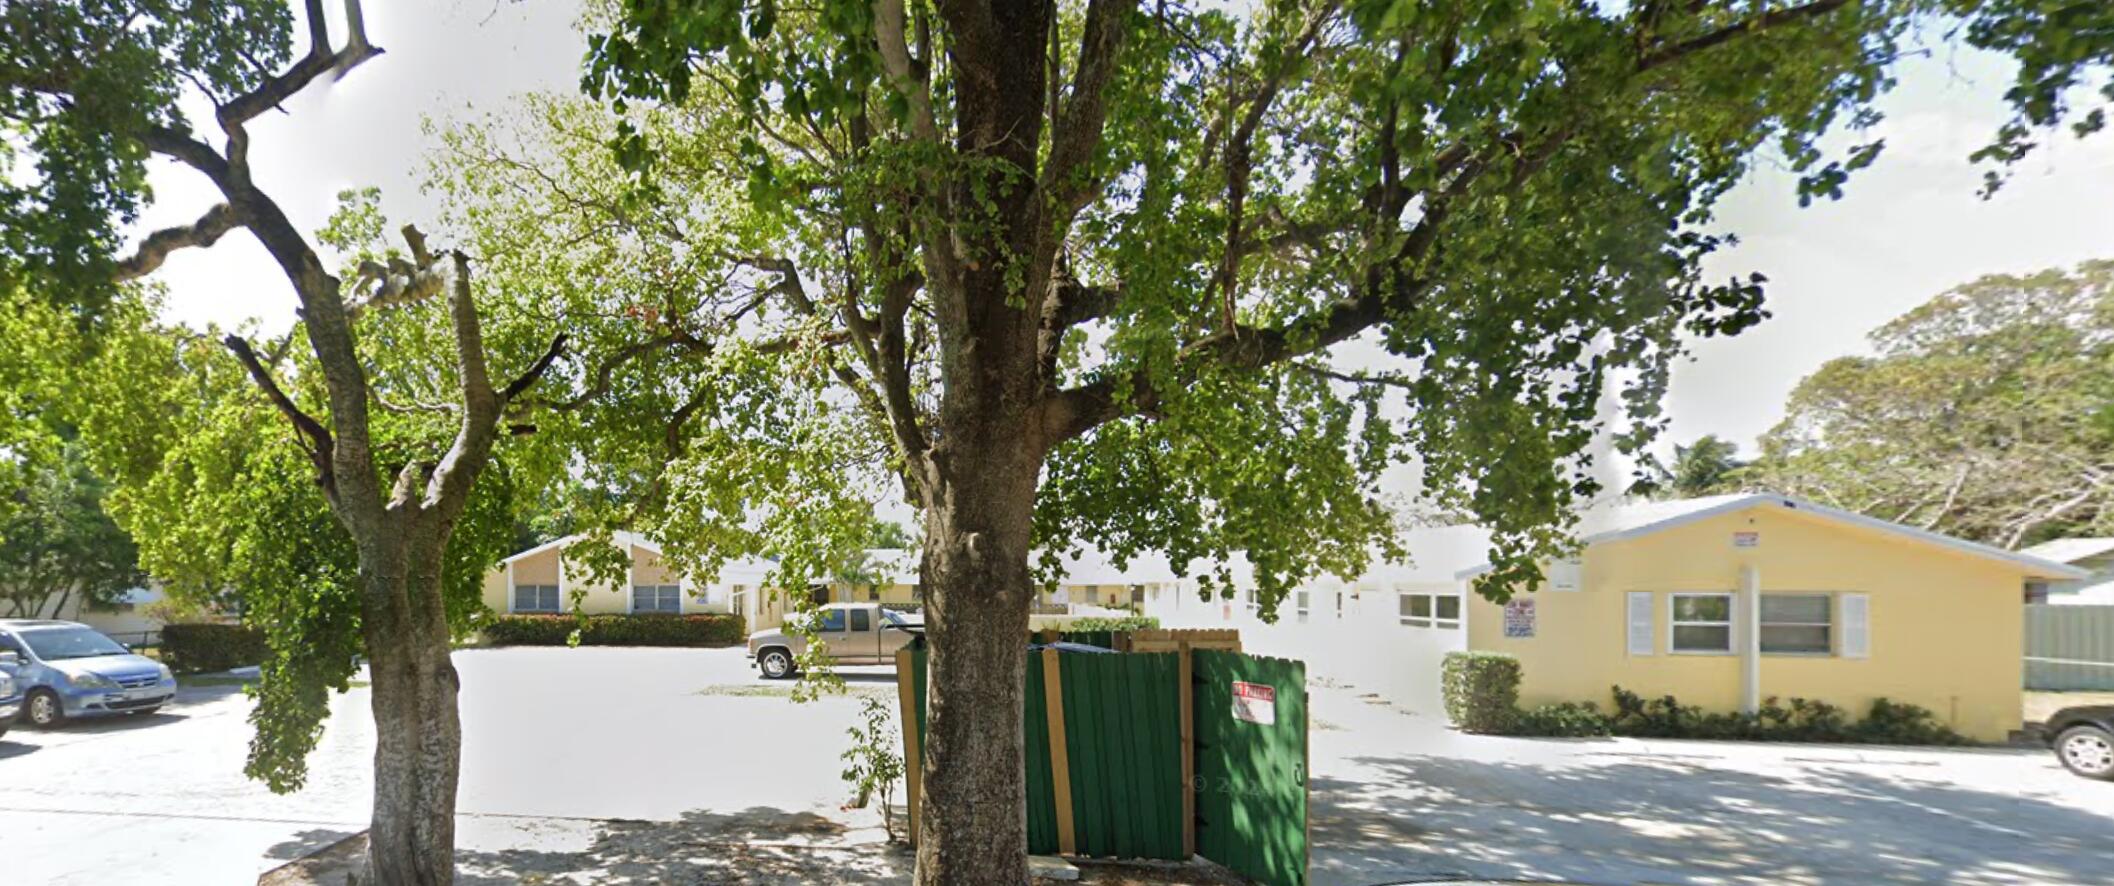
point(535, 598)
point(1429, 610)
point(861, 620)
point(1416, 609)
point(873, 594)
point(832, 621)
point(1702, 622)
point(1304, 600)
point(657, 598)
point(1798, 624)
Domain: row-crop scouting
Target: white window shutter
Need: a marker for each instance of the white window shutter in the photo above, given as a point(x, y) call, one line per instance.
point(1640, 622)
point(1856, 626)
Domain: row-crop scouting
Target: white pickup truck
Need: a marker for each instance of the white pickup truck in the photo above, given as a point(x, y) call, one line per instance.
point(852, 634)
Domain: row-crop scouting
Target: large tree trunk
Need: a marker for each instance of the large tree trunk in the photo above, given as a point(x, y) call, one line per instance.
point(972, 822)
point(418, 734)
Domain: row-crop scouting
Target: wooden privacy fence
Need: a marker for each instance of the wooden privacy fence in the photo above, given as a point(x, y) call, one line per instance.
point(2069, 648)
point(1161, 755)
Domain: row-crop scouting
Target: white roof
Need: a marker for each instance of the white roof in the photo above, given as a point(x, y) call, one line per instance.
point(1630, 521)
point(620, 536)
point(2070, 550)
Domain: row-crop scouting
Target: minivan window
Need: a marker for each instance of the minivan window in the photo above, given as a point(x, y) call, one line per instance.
point(60, 644)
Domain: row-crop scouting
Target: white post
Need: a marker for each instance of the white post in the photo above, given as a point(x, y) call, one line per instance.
point(1749, 631)
point(510, 586)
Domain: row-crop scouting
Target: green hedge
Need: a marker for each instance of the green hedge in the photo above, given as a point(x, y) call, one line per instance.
point(617, 630)
point(1481, 690)
point(1114, 625)
point(1801, 719)
point(195, 648)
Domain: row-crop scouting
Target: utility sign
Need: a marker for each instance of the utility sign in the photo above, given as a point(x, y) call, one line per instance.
point(1255, 703)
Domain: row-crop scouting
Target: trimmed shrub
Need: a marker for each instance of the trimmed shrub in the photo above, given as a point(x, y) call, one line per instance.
point(205, 646)
point(1803, 719)
point(1562, 720)
point(1112, 625)
point(1481, 690)
point(660, 629)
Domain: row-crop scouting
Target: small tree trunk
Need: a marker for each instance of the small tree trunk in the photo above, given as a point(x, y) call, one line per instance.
point(972, 810)
point(418, 732)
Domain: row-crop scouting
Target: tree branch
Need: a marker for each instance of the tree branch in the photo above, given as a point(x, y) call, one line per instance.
point(156, 248)
point(321, 447)
point(535, 371)
point(1082, 121)
point(1773, 18)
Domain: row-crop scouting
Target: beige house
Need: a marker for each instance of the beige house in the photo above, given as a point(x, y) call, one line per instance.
point(538, 580)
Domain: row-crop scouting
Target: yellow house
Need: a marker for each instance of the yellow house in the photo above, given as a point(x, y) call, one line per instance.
point(538, 581)
point(1725, 600)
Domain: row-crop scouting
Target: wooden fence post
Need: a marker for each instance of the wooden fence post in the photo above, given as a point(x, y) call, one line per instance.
point(913, 761)
point(1188, 715)
point(1060, 756)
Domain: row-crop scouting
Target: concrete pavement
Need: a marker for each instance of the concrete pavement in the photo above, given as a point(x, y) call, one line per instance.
point(600, 765)
point(1400, 797)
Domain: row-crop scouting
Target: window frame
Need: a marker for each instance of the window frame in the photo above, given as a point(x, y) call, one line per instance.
point(1674, 622)
point(557, 599)
point(1302, 603)
point(1834, 632)
point(1432, 617)
point(660, 595)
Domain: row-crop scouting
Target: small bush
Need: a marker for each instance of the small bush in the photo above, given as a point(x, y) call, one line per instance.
point(1114, 625)
point(714, 629)
point(205, 646)
point(1481, 690)
point(1803, 719)
point(1563, 720)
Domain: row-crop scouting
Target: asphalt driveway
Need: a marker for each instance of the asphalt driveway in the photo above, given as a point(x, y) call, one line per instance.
point(665, 765)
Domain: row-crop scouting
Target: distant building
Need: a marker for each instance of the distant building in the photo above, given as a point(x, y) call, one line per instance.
point(539, 580)
point(2093, 555)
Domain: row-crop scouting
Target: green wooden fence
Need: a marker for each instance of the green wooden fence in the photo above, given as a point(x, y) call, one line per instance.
point(1251, 765)
point(1112, 763)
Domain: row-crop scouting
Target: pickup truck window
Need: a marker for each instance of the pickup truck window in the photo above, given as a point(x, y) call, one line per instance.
point(861, 620)
point(832, 620)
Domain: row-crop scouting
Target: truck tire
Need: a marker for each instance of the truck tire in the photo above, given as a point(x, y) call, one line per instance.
point(775, 662)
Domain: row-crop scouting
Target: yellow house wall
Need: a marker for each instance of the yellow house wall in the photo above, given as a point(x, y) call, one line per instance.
point(1944, 627)
point(597, 598)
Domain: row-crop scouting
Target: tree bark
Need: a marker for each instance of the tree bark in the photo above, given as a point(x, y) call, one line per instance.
point(974, 571)
point(418, 734)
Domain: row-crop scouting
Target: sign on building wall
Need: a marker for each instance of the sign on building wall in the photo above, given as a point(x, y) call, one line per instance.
point(1254, 703)
point(1519, 617)
point(1746, 539)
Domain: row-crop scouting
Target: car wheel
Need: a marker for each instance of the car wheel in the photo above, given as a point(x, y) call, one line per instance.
point(42, 709)
point(2087, 751)
point(776, 664)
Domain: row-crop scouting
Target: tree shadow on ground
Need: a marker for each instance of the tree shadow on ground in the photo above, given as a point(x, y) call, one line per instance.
point(307, 842)
point(1397, 819)
point(757, 845)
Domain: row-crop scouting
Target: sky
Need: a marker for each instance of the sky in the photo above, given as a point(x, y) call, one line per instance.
point(1908, 228)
